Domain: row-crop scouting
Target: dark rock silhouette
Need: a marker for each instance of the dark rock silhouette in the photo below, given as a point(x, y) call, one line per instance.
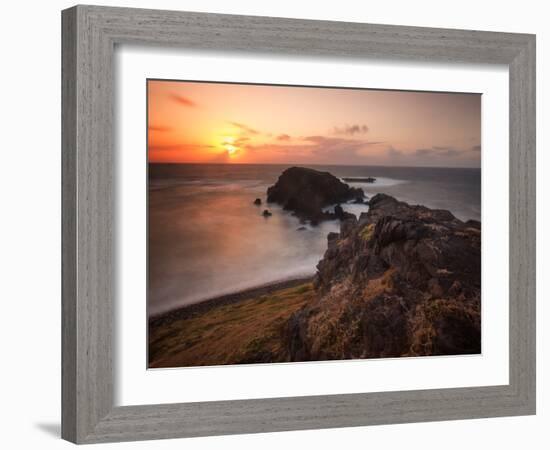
point(306, 192)
point(258, 201)
point(401, 281)
point(359, 180)
point(340, 214)
point(266, 213)
point(332, 238)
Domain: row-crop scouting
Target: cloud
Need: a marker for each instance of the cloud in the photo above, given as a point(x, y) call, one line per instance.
point(393, 152)
point(446, 152)
point(339, 141)
point(283, 137)
point(351, 130)
point(182, 100)
point(323, 147)
point(241, 141)
point(286, 149)
point(424, 151)
point(329, 146)
point(158, 128)
point(169, 147)
point(244, 128)
point(451, 152)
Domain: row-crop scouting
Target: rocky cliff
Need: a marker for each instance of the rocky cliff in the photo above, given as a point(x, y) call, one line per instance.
point(401, 281)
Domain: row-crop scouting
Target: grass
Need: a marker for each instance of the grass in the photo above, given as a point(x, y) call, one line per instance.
point(367, 231)
point(244, 332)
point(380, 285)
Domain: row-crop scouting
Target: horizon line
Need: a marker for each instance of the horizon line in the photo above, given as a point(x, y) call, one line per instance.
point(314, 164)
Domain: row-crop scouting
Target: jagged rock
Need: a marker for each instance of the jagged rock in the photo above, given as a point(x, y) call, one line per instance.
point(401, 281)
point(267, 213)
point(332, 238)
point(306, 192)
point(347, 226)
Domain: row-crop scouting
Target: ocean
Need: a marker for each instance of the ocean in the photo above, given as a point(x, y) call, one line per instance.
point(206, 238)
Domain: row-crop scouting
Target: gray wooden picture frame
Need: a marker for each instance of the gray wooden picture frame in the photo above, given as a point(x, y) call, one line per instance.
point(90, 34)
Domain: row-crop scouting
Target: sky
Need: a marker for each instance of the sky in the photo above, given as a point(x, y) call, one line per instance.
point(197, 122)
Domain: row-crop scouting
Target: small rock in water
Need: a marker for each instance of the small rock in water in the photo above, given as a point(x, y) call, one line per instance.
point(359, 180)
point(339, 211)
point(301, 229)
point(266, 213)
point(258, 201)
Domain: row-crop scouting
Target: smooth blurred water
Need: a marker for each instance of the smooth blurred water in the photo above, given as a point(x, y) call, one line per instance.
point(207, 238)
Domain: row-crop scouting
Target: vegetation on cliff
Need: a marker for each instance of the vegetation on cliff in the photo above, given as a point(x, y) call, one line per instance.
point(249, 330)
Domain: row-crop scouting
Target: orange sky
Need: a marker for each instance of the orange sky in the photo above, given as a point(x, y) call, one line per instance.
point(236, 123)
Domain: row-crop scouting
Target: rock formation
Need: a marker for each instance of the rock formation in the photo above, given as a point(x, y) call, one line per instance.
point(401, 281)
point(306, 192)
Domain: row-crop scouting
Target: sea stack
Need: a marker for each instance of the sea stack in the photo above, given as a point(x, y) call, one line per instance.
point(306, 192)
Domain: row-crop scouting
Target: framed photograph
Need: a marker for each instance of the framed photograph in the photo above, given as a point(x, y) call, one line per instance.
point(277, 224)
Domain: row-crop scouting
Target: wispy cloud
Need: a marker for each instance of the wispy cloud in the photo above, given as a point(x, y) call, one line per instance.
point(183, 100)
point(241, 141)
point(424, 151)
point(447, 152)
point(351, 130)
point(393, 152)
point(324, 147)
point(244, 128)
point(159, 128)
point(283, 137)
point(170, 147)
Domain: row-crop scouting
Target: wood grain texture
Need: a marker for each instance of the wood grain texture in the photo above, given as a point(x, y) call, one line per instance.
point(523, 224)
point(68, 226)
point(90, 34)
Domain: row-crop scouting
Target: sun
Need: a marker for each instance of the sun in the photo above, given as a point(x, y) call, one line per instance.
point(228, 146)
point(231, 149)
